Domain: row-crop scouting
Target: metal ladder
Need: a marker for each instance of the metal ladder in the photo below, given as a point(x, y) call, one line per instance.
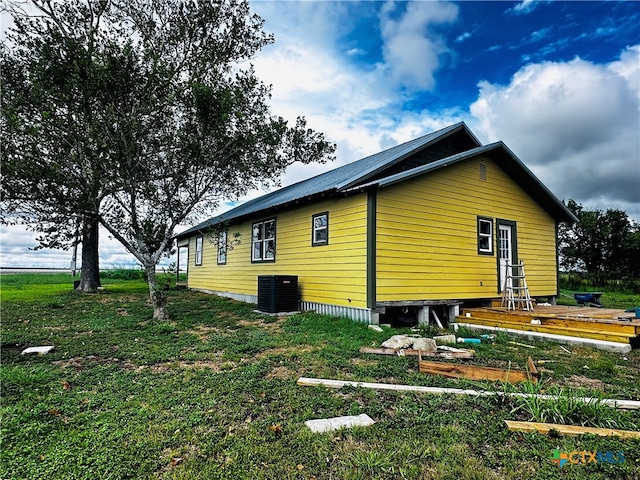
point(515, 295)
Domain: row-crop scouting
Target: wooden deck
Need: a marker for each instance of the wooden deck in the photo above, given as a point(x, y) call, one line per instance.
point(605, 324)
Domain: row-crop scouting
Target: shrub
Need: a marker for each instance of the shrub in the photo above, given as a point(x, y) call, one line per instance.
point(122, 273)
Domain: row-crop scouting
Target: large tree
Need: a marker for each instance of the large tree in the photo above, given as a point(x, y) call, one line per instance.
point(602, 244)
point(179, 121)
point(53, 156)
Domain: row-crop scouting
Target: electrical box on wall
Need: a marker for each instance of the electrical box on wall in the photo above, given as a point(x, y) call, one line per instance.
point(277, 293)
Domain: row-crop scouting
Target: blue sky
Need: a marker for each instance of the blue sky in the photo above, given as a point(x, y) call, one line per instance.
point(558, 82)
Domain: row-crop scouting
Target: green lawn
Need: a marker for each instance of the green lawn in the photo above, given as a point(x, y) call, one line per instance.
point(213, 394)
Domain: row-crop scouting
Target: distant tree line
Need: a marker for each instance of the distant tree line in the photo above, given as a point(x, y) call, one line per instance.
point(602, 245)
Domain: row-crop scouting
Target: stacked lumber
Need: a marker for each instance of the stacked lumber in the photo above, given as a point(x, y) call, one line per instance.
point(565, 323)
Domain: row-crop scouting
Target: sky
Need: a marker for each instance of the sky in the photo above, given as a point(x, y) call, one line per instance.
point(557, 81)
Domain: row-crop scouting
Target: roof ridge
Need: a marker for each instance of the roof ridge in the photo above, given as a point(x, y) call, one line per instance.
point(342, 177)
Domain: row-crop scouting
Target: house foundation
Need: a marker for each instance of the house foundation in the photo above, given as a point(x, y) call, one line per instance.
point(420, 312)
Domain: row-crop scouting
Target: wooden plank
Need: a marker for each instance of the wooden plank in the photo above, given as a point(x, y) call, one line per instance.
point(618, 347)
point(588, 315)
point(409, 352)
point(568, 321)
point(473, 372)
point(572, 332)
point(323, 382)
point(543, 328)
point(568, 430)
point(610, 326)
point(587, 330)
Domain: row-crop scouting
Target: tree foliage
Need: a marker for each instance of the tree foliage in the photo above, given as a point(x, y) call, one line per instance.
point(603, 244)
point(151, 115)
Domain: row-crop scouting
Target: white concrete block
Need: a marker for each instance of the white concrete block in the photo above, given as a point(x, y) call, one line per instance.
point(38, 350)
point(329, 424)
point(425, 344)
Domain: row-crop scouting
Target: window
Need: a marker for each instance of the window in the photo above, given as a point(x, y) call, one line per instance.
point(222, 247)
point(198, 250)
point(320, 229)
point(263, 241)
point(485, 236)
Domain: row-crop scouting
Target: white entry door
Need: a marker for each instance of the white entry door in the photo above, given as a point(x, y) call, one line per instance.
point(505, 251)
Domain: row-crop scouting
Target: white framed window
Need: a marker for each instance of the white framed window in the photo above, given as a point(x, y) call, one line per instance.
point(198, 257)
point(320, 229)
point(263, 241)
point(485, 236)
point(222, 247)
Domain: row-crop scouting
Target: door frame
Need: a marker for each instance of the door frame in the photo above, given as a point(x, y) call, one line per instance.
point(514, 246)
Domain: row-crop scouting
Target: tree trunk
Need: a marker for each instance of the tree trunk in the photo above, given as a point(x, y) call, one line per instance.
point(90, 272)
point(157, 295)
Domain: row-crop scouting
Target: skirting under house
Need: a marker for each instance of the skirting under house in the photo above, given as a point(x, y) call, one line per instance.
point(362, 315)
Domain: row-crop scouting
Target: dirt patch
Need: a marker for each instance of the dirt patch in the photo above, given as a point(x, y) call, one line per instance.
point(292, 350)
point(215, 364)
point(285, 373)
point(270, 324)
point(79, 363)
point(212, 365)
point(361, 362)
point(202, 332)
point(176, 456)
point(580, 381)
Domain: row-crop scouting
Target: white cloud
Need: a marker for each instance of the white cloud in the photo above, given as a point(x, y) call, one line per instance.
point(526, 6)
point(412, 50)
point(575, 124)
point(356, 52)
point(541, 34)
point(462, 37)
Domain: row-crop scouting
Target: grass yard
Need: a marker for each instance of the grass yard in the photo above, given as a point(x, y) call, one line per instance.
point(213, 394)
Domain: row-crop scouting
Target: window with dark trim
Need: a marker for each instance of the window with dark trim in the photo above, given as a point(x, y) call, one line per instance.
point(222, 247)
point(199, 250)
point(320, 229)
point(485, 236)
point(263, 241)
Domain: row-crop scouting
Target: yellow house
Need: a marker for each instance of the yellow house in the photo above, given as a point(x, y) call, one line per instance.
point(428, 223)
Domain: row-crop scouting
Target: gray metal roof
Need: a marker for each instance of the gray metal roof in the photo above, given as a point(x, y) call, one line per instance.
point(338, 179)
point(359, 174)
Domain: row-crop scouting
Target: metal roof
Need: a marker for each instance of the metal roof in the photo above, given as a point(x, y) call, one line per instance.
point(338, 179)
point(356, 175)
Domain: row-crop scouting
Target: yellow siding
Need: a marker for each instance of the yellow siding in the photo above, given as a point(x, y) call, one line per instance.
point(427, 235)
point(333, 273)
